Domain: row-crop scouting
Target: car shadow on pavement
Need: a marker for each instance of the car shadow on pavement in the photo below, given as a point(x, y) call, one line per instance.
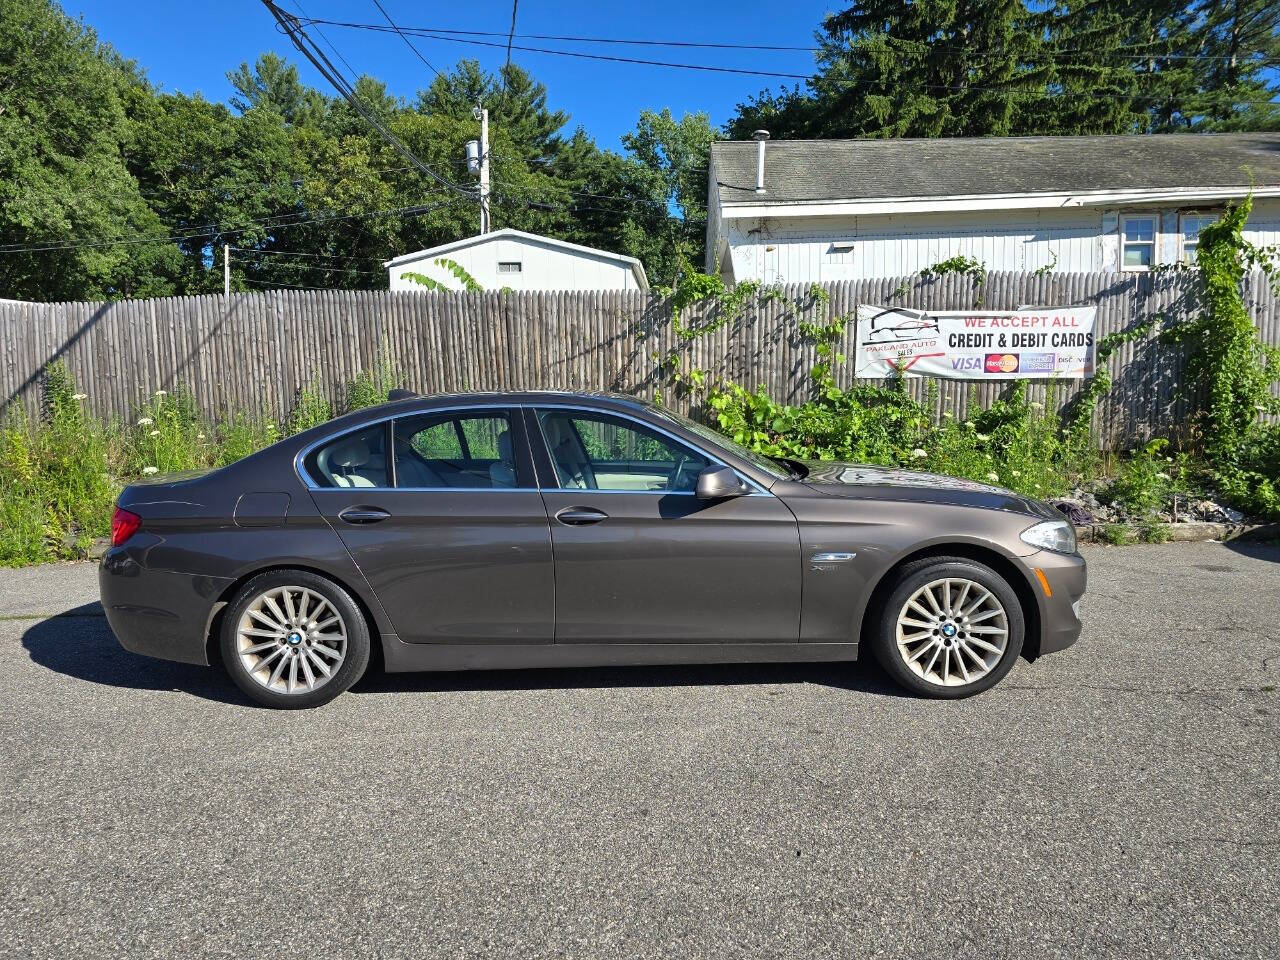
point(78, 643)
point(1255, 549)
point(861, 677)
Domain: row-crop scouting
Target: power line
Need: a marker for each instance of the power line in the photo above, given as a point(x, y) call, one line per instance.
point(782, 75)
point(355, 74)
point(510, 36)
point(280, 286)
point(401, 33)
point(431, 32)
point(307, 47)
point(848, 82)
point(299, 253)
point(215, 230)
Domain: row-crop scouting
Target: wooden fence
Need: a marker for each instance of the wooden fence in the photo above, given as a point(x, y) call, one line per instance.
point(254, 352)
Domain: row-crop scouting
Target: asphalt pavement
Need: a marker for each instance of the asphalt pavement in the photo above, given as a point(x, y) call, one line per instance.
point(1119, 799)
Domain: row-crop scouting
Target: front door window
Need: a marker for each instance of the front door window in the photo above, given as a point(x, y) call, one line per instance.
point(596, 451)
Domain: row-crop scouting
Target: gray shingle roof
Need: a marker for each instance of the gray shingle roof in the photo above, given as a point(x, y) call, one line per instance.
point(797, 170)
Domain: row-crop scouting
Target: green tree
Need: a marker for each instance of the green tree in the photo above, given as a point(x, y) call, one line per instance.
point(64, 134)
point(272, 83)
point(929, 68)
point(675, 153)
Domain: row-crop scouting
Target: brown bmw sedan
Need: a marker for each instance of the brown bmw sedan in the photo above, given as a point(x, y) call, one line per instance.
point(513, 530)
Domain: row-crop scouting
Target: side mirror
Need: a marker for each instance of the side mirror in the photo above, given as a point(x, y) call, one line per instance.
point(719, 483)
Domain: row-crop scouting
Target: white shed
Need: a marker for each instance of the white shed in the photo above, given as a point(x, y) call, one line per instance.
point(520, 261)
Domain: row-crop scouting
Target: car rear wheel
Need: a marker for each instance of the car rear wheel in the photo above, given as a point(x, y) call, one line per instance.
point(952, 627)
point(293, 639)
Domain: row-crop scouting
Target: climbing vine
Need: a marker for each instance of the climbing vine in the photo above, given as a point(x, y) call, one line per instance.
point(469, 283)
point(1230, 378)
point(1229, 369)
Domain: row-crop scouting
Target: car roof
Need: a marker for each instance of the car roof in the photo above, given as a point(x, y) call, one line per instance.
point(618, 402)
point(602, 399)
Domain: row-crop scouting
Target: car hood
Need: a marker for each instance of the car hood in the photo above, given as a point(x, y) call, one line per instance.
point(867, 481)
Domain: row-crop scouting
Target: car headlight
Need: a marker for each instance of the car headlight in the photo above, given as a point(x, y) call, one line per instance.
point(1056, 535)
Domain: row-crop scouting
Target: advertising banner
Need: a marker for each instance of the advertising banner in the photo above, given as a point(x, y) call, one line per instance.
point(1031, 343)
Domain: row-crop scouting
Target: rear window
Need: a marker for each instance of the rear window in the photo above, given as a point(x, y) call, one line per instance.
point(354, 460)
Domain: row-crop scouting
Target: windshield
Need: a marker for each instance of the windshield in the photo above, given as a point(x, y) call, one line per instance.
point(718, 439)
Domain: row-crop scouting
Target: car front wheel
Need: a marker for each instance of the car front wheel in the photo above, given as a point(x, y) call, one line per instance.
point(293, 639)
point(951, 627)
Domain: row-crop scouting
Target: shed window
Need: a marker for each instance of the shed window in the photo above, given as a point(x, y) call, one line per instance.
point(1138, 239)
point(1192, 224)
point(508, 266)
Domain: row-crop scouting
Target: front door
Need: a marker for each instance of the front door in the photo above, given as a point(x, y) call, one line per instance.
point(441, 513)
point(640, 559)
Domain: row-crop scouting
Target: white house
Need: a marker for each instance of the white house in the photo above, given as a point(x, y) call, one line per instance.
point(848, 209)
point(520, 261)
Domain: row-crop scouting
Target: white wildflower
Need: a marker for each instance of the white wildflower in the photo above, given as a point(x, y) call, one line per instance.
point(154, 433)
point(79, 396)
point(993, 477)
point(948, 413)
point(1036, 486)
point(918, 453)
point(145, 422)
point(199, 436)
point(1037, 405)
point(1016, 473)
point(1162, 475)
point(150, 470)
point(980, 436)
point(162, 393)
point(968, 424)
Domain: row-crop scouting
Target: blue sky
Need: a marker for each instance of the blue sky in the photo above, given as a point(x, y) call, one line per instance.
point(190, 47)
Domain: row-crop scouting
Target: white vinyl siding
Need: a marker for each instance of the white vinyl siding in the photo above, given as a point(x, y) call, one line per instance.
point(500, 261)
point(895, 246)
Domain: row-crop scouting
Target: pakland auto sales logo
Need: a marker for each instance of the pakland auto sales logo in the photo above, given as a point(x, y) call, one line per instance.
point(1002, 363)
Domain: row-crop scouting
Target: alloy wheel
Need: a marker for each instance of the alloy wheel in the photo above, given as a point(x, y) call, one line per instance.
point(291, 640)
point(952, 632)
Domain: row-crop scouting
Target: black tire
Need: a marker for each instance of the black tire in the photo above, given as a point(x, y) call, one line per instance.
point(910, 579)
point(351, 668)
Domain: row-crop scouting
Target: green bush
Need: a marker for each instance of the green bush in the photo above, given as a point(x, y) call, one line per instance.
point(1015, 443)
point(62, 473)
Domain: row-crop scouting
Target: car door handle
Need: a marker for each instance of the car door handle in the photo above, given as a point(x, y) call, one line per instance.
point(580, 516)
point(363, 515)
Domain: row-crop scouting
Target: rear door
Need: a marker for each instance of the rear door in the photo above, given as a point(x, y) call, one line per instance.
point(441, 513)
point(640, 559)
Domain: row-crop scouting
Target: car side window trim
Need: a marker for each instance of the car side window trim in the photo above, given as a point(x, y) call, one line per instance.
point(512, 412)
point(554, 484)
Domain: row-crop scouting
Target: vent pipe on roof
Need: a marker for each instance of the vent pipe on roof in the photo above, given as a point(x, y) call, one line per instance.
point(760, 136)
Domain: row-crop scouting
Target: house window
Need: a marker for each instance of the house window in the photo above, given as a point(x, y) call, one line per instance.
point(1192, 224)
point(508, 266)
point(1138, 242)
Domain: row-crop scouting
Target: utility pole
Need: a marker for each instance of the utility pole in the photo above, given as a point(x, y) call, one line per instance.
point(226, 269)
point(484, 171)
point(478, 163)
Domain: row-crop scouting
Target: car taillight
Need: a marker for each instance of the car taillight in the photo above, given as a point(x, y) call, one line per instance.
point(124, 524)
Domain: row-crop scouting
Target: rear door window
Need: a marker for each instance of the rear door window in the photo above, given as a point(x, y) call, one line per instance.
point(455, 449)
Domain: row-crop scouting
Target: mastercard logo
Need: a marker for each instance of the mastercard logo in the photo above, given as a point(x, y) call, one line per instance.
point(1002, 363)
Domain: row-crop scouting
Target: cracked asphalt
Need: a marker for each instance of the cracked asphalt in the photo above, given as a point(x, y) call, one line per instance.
point(1119, 799)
